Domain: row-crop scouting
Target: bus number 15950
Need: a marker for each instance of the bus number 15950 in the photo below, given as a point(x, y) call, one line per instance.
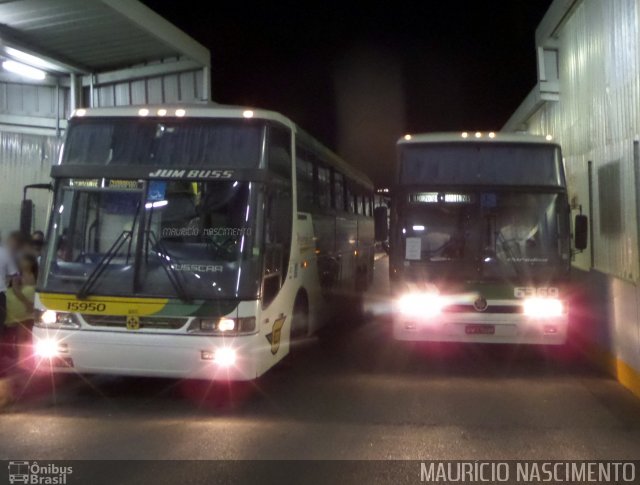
point(86, 306)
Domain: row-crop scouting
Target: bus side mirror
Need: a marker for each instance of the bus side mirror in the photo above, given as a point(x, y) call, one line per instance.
point(581, 232)
point(26, 207)
point(26, 216)
point(381, 228)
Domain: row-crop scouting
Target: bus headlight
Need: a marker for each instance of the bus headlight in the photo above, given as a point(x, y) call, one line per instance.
point(49, 348)
point(225, 357)
point(421, 304)
point(224, 326)
point(543, 307)
point(53, 319)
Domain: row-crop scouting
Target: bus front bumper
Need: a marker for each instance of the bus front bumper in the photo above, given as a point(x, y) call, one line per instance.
point(143, 354)
point(481, 328)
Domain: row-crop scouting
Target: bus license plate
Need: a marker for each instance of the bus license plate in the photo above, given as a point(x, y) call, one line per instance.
point(480, 329)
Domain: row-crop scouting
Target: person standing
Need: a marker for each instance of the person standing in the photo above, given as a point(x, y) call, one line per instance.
point(8, 276)
point(20, 300)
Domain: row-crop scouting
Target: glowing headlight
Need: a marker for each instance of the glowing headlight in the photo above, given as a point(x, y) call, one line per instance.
point(225, 357)
point(421, 304)
point(53, 319)
point(543, 307)
point(49, 348)
point(49, 317)
point(224, 326)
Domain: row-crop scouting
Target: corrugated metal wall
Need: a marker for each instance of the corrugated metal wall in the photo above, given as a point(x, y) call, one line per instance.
point(597, 119)
point(24, 159)
point(27, 158)
point(32, 100)
point(184, 87)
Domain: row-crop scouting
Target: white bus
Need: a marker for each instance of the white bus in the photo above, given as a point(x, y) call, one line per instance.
point(481, 239)
point(195, 242)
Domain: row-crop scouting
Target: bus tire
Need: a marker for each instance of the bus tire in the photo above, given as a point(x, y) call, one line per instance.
point(300, 318)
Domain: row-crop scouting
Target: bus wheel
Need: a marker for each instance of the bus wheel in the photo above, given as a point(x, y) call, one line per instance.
point(300, 320)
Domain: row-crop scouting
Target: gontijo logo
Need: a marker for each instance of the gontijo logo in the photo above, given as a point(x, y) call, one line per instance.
point(33, 473)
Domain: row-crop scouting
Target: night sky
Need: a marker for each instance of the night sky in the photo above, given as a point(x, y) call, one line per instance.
point(358, 76)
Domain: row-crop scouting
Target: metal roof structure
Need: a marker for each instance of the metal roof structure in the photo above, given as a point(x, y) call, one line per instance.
point(57, 56)
point(547, 88)
point(85, 36)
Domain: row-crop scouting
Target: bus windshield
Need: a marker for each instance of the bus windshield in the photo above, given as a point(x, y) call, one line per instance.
point(191, 240)
point(497, 233)
point(481, 163)
point(185, 142)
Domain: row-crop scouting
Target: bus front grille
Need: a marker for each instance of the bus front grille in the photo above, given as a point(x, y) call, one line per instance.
point(490, 309)
point(120, 321)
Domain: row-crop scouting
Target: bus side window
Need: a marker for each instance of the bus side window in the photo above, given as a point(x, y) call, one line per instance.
point(338, 191)
point(278, 220)
point(280, 152)
point(351, 207)
point(324, 187)
point(304, 179)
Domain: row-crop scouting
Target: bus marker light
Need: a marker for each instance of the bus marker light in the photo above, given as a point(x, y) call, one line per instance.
point(180, 112)
point(247, 113)
point(162, 112)
point(143, 111)
point(206, 355)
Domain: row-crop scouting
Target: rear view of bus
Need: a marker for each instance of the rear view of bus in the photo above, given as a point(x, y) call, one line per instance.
point(480, 239)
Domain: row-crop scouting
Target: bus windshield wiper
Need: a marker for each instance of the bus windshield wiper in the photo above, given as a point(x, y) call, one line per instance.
point(172, 274)
point(103, 263)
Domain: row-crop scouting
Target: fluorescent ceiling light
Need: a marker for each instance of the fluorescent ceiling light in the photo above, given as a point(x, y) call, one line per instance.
point(24, 70)
point(27, 58)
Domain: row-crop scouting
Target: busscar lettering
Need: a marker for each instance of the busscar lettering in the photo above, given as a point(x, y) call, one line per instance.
point(198, 268)
point(191, 174)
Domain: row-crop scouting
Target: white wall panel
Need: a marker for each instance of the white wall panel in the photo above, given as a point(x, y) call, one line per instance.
point(24, 159)
point(597, 119)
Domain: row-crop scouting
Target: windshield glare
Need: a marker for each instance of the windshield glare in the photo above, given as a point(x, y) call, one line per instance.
point(155, 141)
point(497, 232)
point(193, 240)
point(481, 163)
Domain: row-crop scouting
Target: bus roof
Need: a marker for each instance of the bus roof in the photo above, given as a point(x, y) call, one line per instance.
point(204, 110)
point(472, 136)
point(213, 110)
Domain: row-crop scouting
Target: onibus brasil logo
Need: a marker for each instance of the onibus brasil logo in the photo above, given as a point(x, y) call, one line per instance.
point(33, 473)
